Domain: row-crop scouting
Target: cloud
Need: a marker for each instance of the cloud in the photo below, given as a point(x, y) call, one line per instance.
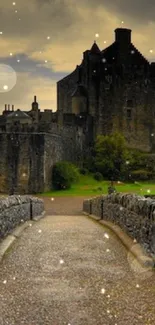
point(72, 26)
point(140, 10)
point(28, 86)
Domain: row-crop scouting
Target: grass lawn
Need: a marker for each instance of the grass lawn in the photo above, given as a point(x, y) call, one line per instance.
point(88, 186)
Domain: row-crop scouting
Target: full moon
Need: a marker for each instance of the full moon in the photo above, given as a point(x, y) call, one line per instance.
point(8, 78)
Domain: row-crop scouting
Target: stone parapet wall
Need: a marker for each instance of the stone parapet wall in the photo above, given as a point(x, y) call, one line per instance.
point(17, 209)
point(37, 207)
point(134, 214)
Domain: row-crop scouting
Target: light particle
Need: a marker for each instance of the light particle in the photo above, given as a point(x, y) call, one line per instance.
point(5, 87)
point(61, 261)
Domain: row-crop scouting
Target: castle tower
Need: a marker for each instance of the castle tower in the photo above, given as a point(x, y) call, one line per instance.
point(79, 100)
point(123, 41)
point(123, 36)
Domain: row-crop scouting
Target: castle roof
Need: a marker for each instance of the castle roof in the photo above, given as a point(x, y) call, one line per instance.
point(95, 49)
point(19, 114)
point(80, 90)
point(112, 52)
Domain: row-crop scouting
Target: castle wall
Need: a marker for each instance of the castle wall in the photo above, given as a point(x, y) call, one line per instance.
point(3, 163)
point(53, 152)
point(21, 163)
point(65, 88)
point(26, 159)
point(115, 104)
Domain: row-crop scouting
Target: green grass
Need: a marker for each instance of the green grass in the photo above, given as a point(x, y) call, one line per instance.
point(88, 186)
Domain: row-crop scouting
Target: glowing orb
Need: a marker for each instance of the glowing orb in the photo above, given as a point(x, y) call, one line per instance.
point(5, 87)
point(8, 78)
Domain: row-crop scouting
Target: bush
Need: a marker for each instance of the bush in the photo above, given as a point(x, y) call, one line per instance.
point(140, 175)
point(111, 189)
point(83, 171)
point(64, 174)
point(98, 176)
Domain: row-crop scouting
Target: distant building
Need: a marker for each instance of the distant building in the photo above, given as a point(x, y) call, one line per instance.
point(116, 87)
point(111, 90)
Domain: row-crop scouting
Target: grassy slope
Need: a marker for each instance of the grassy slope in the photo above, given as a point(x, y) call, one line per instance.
point(87, 186)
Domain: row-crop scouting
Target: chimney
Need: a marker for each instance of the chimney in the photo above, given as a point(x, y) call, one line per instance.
point(13, 108)
point(123, 36)
point(5, 107)
point(8, 107)
point(35, 99)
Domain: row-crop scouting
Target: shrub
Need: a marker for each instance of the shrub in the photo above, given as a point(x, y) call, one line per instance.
point(140, 175)
point(83, 171)
point(98, 176)
point(100, 189)
point(64, 174)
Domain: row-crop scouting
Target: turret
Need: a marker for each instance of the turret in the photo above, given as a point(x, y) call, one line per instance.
point(35, 105)
point(79, 100)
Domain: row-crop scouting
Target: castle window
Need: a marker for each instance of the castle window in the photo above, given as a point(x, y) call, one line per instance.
point(129, 103)
point(129, 113)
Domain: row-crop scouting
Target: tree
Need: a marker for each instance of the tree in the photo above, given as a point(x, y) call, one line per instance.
point(110, 155)
point(64, 174)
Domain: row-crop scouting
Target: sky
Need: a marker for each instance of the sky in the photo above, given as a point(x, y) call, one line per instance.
point(41, 41)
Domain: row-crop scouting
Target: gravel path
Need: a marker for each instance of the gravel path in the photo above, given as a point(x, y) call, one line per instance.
point(64, 205)
point(70, 270)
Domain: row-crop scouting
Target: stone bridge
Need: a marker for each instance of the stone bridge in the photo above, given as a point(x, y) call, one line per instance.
point(69, 269)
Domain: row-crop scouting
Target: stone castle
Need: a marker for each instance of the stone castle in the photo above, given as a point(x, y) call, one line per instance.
point(111, 90)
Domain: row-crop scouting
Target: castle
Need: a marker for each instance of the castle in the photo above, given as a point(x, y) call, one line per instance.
point(111, 90)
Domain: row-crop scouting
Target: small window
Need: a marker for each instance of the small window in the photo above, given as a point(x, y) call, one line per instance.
point(129, 103)
point(129, 113)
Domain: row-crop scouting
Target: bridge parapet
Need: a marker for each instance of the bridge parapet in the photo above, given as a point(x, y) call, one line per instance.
point(16, 209)
point(133, 213)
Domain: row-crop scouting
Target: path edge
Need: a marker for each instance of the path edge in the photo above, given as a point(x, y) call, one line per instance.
point(132, 247)
point(8, 241)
